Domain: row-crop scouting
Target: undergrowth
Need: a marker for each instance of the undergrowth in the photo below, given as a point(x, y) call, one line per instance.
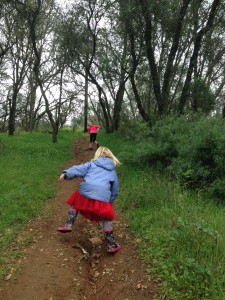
point(191, 147)
point(180, 233)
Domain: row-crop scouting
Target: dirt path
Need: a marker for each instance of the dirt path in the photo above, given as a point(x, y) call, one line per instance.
point(55, 268)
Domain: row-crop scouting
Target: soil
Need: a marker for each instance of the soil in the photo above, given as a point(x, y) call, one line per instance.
point(76, 265)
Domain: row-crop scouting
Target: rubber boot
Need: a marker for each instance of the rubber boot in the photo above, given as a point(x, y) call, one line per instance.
point(111, 244)
point(70, 221)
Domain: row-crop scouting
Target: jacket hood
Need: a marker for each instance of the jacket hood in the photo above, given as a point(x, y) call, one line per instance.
point(105, 163)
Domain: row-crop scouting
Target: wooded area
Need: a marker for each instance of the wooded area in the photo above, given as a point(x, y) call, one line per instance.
point(117, 61)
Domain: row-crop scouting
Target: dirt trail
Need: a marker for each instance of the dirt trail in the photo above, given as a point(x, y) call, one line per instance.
point(54, 266)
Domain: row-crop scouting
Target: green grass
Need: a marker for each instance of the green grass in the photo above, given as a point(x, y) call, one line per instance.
point(30, 166)
point(181, 235)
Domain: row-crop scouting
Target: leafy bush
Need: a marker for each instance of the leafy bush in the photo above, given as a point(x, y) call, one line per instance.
point(201, 96)
point(136, 131)
point(201, 154)
point(191, 147)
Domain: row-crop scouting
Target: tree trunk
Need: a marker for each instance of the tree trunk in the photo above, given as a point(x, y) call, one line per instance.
point(33, 89)
point(194, 57)
point(132, 74)
point(103, 104)
point(55, 130)
point(223, 112)
point(32, 22)
point(86, 101)
point(172, 54)
point(12, 114)
point(151, 57)
point(121, 89)
point(118, 105)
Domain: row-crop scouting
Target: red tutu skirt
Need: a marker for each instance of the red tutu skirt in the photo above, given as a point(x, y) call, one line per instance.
point(94, 210)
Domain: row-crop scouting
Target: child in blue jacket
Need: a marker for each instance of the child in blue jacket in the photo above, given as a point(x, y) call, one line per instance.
point(96, 193)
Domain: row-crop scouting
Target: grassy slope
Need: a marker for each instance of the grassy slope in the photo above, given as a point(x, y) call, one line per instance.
point(181, 236)
point(30, 165)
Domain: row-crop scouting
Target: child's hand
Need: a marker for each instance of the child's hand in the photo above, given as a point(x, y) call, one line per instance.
point(62, 177)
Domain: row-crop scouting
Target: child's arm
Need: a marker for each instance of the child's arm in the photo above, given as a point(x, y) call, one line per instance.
point(62, 177)
point(114, 189)
point(75, 171)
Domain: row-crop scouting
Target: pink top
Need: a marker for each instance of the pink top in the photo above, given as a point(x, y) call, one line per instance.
point(93, 128)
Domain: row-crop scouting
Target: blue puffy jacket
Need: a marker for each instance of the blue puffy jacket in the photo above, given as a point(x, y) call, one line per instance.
point(100, 179)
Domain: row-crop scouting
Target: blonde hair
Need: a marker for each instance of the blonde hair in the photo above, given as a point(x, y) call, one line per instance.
point(105, 152)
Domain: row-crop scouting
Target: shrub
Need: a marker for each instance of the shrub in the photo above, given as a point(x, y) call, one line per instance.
point(191, 147)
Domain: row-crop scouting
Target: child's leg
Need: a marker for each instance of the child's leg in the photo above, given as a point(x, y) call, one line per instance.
point(71, 217)
point(91, 141)
point(72, 213)
point(111, 244)
point(97, 144)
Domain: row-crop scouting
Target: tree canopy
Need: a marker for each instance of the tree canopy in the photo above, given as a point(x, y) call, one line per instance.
point(109, 61)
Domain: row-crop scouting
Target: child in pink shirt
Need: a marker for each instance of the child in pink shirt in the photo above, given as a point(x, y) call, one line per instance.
point(93, 129)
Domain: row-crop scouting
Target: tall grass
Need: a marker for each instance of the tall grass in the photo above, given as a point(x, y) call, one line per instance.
point(30, 165)
point(181, 234)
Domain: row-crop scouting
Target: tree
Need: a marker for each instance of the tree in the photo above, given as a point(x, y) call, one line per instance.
point(19, 73)
point(18, 56)
point(93, 54)
point(197, 45)
point(172, 42)
point(201, 97)
point(40, 22)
